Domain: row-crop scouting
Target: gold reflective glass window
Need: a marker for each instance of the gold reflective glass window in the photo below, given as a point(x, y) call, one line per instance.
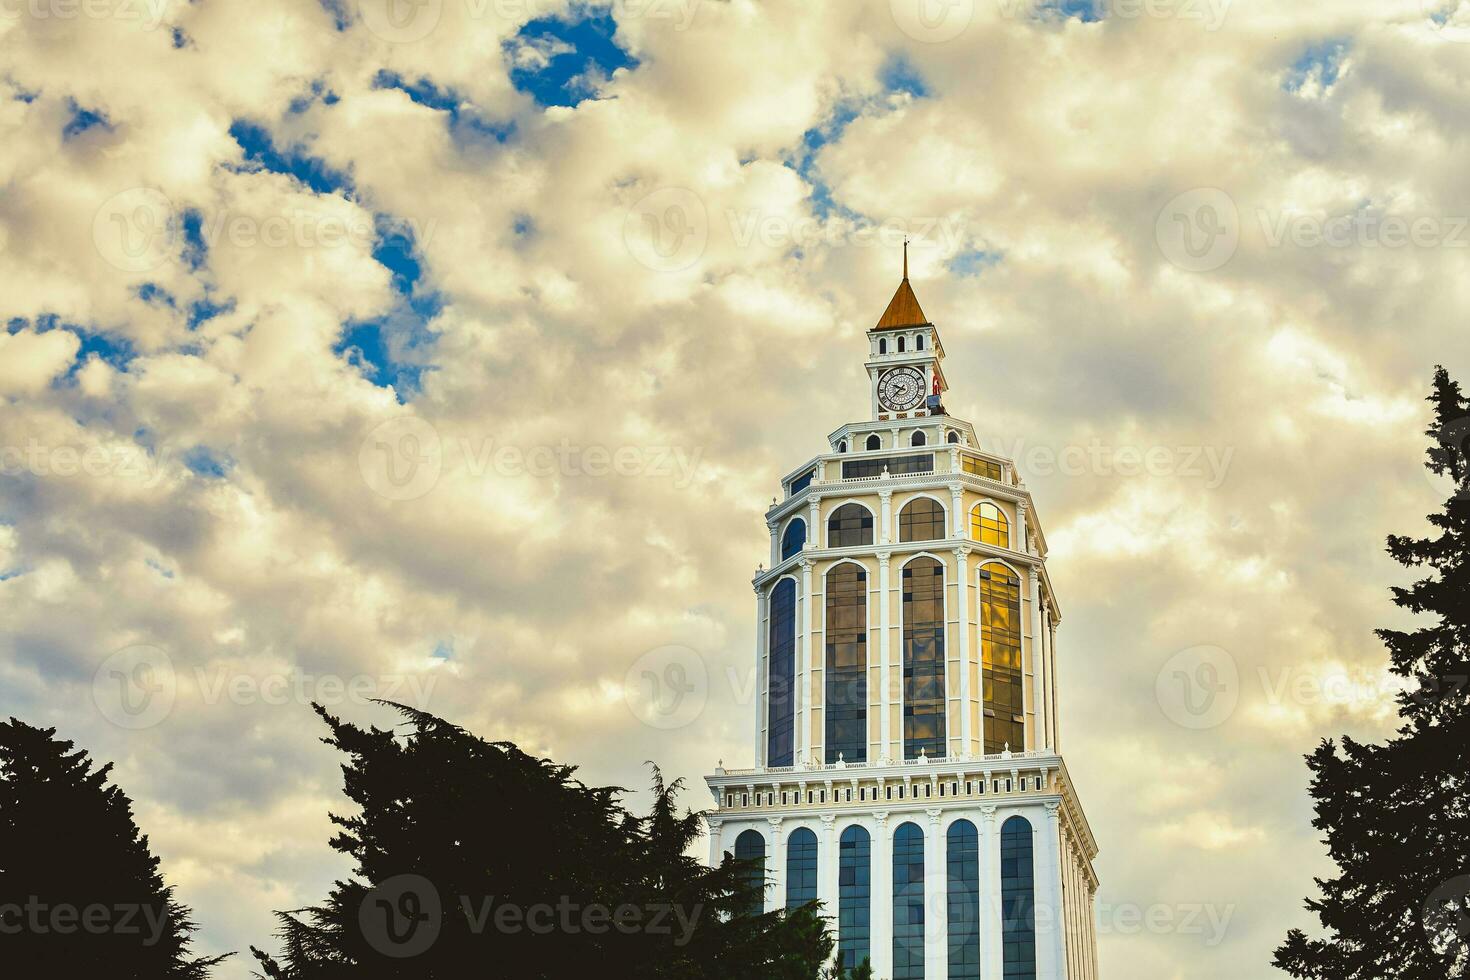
point(850, 526)
point(1000, 658)
point(988, 525)
point(921, 519)
point(981, 467)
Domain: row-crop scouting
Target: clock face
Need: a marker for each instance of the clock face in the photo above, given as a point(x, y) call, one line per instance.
point(901, 390)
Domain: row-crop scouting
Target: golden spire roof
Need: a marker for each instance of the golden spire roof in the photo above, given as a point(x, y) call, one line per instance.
point(903, 310)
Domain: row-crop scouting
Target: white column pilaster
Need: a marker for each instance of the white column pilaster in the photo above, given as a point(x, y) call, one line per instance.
point(814, 520)
point(1050, 928)
point(991, 935)
point(885, 687)
point(936, 900)
point(957, 510)
point(776, 866)
point(1022, 542)
point(762, 673)
point(716, 841)
point(827, 880)
point(882, 900)
point(775, 542)
point(1039, 737)
point(962, 567)
point(885, 526)
point(801, 740)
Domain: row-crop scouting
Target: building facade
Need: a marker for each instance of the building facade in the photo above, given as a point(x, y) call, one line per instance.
point(908, 770)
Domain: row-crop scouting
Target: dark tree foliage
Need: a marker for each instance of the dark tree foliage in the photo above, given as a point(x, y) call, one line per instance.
point(473, 858)
point(80, 893)
point(1397, 815)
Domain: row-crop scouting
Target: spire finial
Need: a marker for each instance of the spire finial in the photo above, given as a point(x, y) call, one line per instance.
point(905, 258)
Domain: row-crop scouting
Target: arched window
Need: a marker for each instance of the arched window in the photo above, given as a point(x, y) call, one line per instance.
point(988, 524)
point(919, 342)
point(854, 897)
point(1017, 900)
point(801, 868)
point(781, 704)
point(794, 539)
point(923, 658)
point(874, 442)
point(847, 664)
point(1000, 658)
point(849, 526)
point(962, 867)
point(919, 438)
point(750, 848)
point(922, 519)
point(908, 903)
point(842, 446)
point(883, 345)
point(900, 345)
point(953, 438)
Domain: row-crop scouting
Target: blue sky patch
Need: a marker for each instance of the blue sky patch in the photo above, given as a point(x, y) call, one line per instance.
point(1087, 11)
point(973, 261)
point(203, 461)
point(559, 61)
point(393, 350)
point(1320, 62)
point(341, 19)
point(899, 74)
point(83, 120)
point(466, 123)
point(112, 348)
point(260, 149)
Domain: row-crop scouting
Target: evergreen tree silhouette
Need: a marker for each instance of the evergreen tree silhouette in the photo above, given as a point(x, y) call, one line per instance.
point(1397, 815)
point(80, 893)
point(473, 858)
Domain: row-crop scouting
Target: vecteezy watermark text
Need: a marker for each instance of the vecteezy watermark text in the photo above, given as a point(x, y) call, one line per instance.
point(40, 918)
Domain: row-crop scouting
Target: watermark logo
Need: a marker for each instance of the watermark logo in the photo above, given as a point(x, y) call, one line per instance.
point(135, 687)
point(402, 916)
point(1199, 687)
point(1447, 922)
point(1199, 230)
point(401, 21)
point(1450, 19)
point(667, 230)
point(932, 21)
point(136, 230)
point(402, 458)
point(667, 687)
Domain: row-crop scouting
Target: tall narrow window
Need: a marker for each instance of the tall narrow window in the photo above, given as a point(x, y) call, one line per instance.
point(842, 446)
point(849, 526)
point(989, 525)
point(1000, 658)
point(874, 443)
point(919, 342)
point(923, 659)
point(962, 877)
point(908, 903)
point(918, 438)
point(953, 438)
point(922, 519)
point(750, 848)
point(854, 897)
point(1017, 901)
point(847, 664)
point(883, 345)
point(801, 868)
point(900, 345)
point(794, 539)
point(780, 731)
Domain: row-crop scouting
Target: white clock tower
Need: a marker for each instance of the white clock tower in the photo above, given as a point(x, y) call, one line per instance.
point(907, 752)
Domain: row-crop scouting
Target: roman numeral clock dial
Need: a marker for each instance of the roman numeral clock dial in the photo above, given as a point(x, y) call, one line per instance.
point(901, 390)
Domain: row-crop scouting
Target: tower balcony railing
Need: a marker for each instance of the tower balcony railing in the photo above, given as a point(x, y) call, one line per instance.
point(996, 760)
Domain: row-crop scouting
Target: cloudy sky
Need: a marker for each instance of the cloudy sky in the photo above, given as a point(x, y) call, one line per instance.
point(450, 352)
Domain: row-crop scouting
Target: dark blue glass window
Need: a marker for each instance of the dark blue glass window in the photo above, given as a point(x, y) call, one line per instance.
point(855, 469)
point(854, 897)
point(908, 903)
point(923, 658)
point(847, 664)
point(780, 730)
point(1017, 900)
point(802, 482)
point(962, 867)
point(793, 539)
point(801, 868)
point(750, 847)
